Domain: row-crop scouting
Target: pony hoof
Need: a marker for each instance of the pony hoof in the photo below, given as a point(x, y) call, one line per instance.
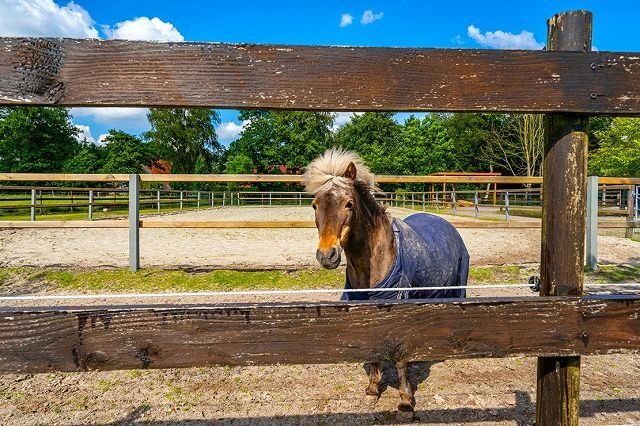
point(405, 407)
point(405, 416)
point(371, 392)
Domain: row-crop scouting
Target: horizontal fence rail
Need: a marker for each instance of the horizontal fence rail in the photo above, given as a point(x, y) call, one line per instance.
point(231, 224)
point(254, 178)
point(52, 71)
point(35, 340)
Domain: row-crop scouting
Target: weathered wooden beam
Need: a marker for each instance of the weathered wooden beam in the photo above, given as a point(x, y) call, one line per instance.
point(68, 72)
point(563, 225)
point(63, 177)
point(107, 338)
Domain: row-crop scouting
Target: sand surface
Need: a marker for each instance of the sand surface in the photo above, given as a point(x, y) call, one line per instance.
point(252, 248)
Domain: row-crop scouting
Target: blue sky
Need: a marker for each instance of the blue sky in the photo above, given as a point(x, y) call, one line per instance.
point(400, 23)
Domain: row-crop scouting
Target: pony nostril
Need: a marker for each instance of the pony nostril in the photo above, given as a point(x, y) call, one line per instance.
point(332, 253)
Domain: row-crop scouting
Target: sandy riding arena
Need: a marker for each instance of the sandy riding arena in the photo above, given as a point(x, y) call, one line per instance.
point(251, 248)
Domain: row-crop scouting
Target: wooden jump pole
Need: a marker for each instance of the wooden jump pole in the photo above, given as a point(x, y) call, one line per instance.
point(563, 223)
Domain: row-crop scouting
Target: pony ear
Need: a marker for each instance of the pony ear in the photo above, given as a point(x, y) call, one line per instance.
point(351, 171)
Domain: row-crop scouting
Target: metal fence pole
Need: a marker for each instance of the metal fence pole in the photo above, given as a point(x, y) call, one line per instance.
point(181, 198)
point(212, 196)
point(33, 205)
point(134, 222)
point(158, 198)
point(454, 203)
point(424, 207)
point(506, 206)
point(437, 203)
point(413, 201)
point(198, 200)
point(91, 204)
point(475, 205)
point(592, 223)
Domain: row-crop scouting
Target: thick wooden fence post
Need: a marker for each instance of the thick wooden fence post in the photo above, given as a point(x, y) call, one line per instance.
point(134, 222)
point(563, 224)
point(592, 222)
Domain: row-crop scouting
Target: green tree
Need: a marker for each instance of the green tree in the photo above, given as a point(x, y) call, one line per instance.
point(239, 164)
point(290, 138)
point(36, 139)
point(517, 144)
point(376, 136)
point(184, 135)
point(469, 133)
point(425, 147)
point(88, 159)
point(619, 152)
point(125, 153)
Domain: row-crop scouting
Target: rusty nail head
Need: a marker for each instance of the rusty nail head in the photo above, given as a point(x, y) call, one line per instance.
point(593, 95)
point(593, 66)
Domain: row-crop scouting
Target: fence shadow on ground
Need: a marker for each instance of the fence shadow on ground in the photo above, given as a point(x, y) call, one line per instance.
point(522, 413)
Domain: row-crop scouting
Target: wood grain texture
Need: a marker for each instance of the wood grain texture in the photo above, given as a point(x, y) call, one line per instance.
point(68, 72)
point(107, 338)
point(563, 225)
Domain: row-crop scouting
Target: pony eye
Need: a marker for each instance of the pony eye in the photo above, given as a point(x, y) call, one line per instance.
point(349, 205)
point(314, 206)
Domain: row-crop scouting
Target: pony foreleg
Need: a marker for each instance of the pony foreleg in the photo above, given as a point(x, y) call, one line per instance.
point(407, 401)
point(375, 377)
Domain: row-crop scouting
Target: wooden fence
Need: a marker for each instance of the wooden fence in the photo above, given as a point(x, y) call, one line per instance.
point(566, 81)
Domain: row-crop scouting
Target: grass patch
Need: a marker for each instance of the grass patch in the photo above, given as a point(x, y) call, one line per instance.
point(525, 213)
point(156, 280)
point(615, 274)
point(503, 274)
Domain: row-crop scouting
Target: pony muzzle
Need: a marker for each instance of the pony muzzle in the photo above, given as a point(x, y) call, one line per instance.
point(329, 258)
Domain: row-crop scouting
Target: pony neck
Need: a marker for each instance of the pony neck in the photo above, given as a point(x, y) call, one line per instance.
point(370, 251)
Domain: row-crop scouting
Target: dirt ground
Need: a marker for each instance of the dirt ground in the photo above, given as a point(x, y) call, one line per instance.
point(252, 248)
point(479, 391)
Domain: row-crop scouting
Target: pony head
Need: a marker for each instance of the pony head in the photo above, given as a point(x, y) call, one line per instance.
point(335, 179)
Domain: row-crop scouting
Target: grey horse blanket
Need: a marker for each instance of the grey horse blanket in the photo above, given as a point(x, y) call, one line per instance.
point(429, 253)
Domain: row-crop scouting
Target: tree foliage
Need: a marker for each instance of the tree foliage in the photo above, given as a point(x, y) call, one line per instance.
point(125, 153)
point(619, 151)
point(274, 138)
point(517, 144)
point(184, 135)
point(375, 136)
point(36, 140)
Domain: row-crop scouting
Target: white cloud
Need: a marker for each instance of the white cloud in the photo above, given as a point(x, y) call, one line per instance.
point(101, 139)
point(44, 18)
point(368, 17)
point(143, 28)
point(230, 131)
point(114, 116)
point(457, 40)
point(84, 133)
point(503, 40)
point(342, 118)
point(345, 20)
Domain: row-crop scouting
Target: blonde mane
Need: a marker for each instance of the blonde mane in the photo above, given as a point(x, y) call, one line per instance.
point(329, 168)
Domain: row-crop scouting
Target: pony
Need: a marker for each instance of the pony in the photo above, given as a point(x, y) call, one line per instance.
point(381, 252)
